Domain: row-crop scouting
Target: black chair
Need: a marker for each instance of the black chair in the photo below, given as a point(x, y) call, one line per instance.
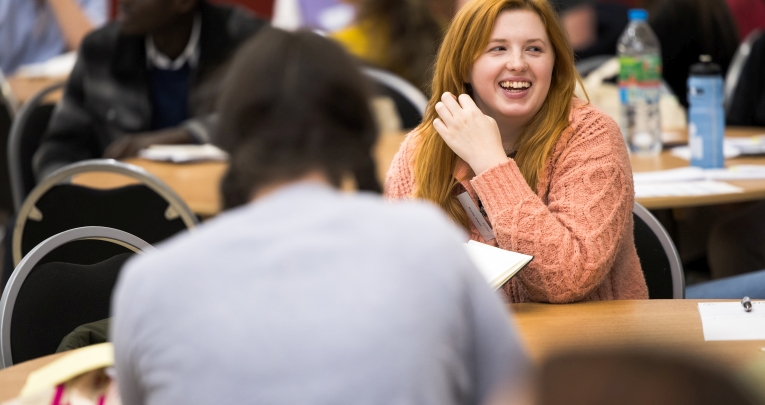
point(150, 210)
point(24, 138)
point(745, 84)
point(659, 259)
point(410, 102)
point(43, 303)
point(7, 113)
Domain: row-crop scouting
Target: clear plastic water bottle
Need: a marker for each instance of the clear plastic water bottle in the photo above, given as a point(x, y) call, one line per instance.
point(706, 127)
point(640, 85)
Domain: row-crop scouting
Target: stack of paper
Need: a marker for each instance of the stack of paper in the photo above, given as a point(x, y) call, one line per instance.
point(732, 147)
point(496, 265)
point(183, 153)
point(729, 321)
point(684, 189)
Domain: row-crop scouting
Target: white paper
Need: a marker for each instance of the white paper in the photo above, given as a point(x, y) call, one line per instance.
point(684, 152)
point(497, 265)
point(183, 153)
point(729, 321)
point(476, 217)
point(684, 189)
point(671, 175)
point(732, 147)
point(57, 66)
point(737, 172)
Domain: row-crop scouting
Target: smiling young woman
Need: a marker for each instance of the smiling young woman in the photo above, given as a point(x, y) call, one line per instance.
point(549, 174)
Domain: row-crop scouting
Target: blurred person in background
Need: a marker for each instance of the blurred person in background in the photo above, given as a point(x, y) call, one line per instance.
point(301, 293)
point(151, 77)
point(33, 31)
point(400, 36)
point(593, 27)
point(688, 29)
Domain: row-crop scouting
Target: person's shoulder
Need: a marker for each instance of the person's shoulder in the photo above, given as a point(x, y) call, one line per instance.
point(409, 144)
point(101, 41)
point(587, 120)
point(418, 219)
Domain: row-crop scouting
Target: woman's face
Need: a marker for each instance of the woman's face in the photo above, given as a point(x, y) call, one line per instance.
point(511, 77)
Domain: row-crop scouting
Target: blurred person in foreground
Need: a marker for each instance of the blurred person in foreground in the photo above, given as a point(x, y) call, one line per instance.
point(151, 77)
point(400, 36)
point(301, 293)
point(33, 31)
point(638, 378)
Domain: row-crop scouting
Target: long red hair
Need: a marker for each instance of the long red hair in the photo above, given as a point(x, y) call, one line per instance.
point(468, 34)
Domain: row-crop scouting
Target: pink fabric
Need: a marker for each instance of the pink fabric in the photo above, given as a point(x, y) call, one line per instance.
point(578, 226)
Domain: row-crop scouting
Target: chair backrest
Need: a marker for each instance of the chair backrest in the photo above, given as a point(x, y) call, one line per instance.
point(27, 130)
point(410, 102)
point(737, 66)
point(41, 304)
point(746, 104)
point(149, 210)
point(7, 113)
point(659, 259)
point(587, 65)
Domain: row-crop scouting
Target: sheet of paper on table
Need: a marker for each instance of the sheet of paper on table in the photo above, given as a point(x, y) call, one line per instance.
point(732, 147)
point(684, 189)
point(497, 265)
point(729, 321)
point(183, 153)
point(57, 66)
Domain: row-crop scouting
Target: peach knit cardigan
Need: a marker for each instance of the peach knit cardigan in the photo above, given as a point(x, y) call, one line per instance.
point(578, 226)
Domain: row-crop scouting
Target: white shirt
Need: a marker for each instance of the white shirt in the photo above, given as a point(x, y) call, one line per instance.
point(155, 58)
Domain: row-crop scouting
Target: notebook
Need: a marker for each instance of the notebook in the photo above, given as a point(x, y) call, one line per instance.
point(497, 265)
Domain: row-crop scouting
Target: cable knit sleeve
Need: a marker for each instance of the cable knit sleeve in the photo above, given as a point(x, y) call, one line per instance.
point(575, 234)
point(399, 182)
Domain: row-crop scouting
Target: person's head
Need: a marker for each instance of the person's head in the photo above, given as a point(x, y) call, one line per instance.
point(143, 17)
point(294, 104)
point(408, 31)
point(488, 44)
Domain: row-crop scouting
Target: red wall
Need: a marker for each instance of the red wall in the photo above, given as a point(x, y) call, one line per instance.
point(263, 8)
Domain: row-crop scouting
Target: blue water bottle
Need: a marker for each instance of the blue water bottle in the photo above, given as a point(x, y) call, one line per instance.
point(706, 127)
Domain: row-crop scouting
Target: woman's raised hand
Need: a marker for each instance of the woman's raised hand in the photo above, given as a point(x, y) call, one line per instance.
point(473, 136)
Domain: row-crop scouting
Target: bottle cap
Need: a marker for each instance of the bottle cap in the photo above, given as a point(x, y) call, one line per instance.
point(705, 67)
point(638, 14)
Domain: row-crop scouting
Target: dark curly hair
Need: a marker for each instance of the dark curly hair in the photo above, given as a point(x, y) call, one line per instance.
point(294, 103)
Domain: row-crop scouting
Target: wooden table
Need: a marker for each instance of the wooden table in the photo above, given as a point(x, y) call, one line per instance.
point(13, 378)
point(198, 183)
point(753, 189)
point(24, 88)
point(547, 329)
point(672, 325)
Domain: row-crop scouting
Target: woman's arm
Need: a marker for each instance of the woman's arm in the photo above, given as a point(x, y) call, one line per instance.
point(575, 236)
point(399, 182)
point(73, 20)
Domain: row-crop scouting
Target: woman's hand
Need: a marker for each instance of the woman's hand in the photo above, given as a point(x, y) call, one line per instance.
point(473, 136)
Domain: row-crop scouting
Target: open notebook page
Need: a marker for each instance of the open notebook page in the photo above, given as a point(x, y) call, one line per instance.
point(496, 265)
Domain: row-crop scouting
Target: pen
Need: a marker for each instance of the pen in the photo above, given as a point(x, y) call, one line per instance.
point(747, 304)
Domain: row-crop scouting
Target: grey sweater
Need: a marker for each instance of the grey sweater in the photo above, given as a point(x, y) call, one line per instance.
point(308, 295)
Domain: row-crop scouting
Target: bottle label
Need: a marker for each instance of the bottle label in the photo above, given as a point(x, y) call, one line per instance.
point(640, 71)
